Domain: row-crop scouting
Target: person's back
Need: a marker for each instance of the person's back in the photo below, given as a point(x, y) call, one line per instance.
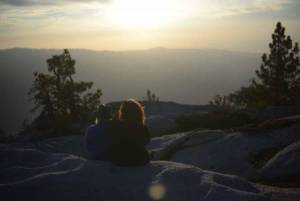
point(128, 146)
point(129, 136)
point(97, 140)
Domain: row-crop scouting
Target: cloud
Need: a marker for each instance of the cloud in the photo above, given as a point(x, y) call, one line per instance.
point(223, 8)
point(51, 19)
point(46, 2)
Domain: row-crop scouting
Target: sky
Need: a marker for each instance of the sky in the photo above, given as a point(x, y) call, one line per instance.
point(239, 25)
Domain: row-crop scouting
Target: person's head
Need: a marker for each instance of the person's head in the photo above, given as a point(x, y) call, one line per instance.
point(104, 112)
point(132, 111)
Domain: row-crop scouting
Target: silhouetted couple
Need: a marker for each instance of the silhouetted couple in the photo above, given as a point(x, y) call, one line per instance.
point(121, 140)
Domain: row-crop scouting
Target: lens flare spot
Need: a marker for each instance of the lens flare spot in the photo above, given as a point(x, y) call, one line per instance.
point(157, 191)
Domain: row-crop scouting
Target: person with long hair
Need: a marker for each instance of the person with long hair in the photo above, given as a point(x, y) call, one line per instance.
point(131, 111)
point(130, 135)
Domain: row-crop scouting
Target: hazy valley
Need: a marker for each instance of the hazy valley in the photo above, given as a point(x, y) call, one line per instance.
point(190, 76)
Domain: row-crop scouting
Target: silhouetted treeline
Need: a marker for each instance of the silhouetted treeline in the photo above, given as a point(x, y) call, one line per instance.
point(151, 97)
point(277, 81)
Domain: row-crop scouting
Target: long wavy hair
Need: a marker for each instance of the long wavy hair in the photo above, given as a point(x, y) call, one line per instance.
point(132, 111)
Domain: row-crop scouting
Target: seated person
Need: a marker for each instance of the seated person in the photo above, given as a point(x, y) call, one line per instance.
point(97, 140)
point(129, 136)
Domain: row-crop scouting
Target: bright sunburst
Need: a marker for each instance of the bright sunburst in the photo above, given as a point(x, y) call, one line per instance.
point(136, 14)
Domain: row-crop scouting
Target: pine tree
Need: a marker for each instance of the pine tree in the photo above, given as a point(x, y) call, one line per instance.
point(60, 99)
point(279, 74)
point(151, 97)
point(221, 101)
point(278, 79)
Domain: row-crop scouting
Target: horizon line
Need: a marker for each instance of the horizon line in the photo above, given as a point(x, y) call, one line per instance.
point(132, 50)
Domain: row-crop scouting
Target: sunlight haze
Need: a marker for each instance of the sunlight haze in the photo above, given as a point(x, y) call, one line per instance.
point(143, 24)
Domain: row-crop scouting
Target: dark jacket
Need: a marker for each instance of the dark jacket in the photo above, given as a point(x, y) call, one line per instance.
point(128, 144)
point(97, 141)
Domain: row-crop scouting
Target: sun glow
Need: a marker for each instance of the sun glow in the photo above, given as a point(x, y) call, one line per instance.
point(143, 14)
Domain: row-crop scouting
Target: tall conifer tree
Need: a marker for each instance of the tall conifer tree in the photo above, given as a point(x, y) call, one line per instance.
point(279, 74)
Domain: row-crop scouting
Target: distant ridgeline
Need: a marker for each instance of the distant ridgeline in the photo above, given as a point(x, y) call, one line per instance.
point(170, 109)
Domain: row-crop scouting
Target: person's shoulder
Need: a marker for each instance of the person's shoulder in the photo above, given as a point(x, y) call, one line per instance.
point(91, 127)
